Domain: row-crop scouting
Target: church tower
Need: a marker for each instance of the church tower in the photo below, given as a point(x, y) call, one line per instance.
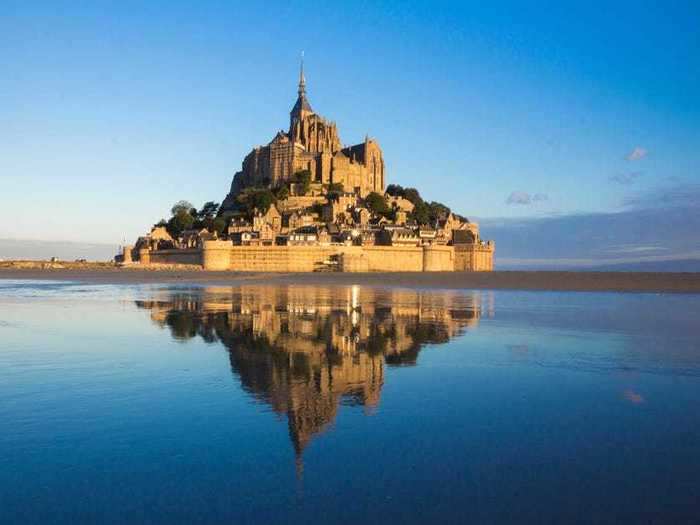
point(301, 108)
point(312, 144)
point(307, 129)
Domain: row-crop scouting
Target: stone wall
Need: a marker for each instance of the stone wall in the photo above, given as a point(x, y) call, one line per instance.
point(221, 255)
point(353, 262)
point(438, 259)
point(216, 255)
point(191, 256)
point(394, 258)
point(280, 258)
point(474, 257)
point(300, 202)
point(315, 258)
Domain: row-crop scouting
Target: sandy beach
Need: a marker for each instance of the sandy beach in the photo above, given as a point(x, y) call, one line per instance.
point(502, 280)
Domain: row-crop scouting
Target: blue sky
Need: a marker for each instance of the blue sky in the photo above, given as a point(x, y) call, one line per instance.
point(109, 114)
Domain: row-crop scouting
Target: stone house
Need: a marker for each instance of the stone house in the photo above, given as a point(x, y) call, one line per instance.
point(366, 238)
point(308, 236)
point(194, 238)
point(271, 217)
point(465, 233)
point(157, 239)
point(399, 203)
point(427, 235)
point(361, 216)
point(401, 217)
point(245, 238)
point(298, 219)
point(397, 237)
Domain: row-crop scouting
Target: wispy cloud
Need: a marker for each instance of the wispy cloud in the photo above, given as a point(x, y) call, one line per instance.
point(523, 198)
point(657, 230)
point(677, 196)
point(625, 178)
point(637, 153)
point(632, 249)
point(519, 197)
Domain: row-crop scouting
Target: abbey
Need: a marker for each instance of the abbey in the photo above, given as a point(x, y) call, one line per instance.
point(305, 203)
point(311, 144)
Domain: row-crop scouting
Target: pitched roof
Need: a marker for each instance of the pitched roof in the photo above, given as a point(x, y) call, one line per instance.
point(302, 103)
point(357, 152)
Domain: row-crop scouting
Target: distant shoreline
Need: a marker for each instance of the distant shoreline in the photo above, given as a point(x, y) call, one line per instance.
point(660, 282)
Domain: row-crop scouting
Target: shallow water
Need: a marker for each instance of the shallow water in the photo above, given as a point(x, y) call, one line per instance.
point(309, 404)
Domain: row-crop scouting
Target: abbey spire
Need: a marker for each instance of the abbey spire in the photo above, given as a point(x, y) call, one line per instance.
point(302, 79)
point(301, 107)
point(311, 144)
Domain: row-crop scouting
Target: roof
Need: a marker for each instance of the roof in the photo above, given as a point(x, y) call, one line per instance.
point(199, 231)
point(280, 137)
point(301, 104)
point(340, 154)
point(357, 152)
point(307, 229)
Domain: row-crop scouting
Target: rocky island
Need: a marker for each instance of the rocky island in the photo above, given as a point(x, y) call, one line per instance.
point(305, 202)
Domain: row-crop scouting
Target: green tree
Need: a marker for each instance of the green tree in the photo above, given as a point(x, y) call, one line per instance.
point(376, 203)
point(412, 195)
point(421, 213)
point(181, 206)
point(282, 193)
point(219, 226)
point(253, 199)
point(208, 210)
point(334, 192)
point(303, 178)
point(179, 222)
point(438, 211)
point(262, 200)
point(395, 190)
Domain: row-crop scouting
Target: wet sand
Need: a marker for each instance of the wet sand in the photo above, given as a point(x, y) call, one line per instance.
point(502, 280)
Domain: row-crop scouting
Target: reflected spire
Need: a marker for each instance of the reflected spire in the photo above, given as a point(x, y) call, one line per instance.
point(308, 350)
point(299, 465)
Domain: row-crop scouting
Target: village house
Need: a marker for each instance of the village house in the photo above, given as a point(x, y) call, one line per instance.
point(157, 239)
point(309, 236)
point(195, 238)
point(399, 203)
point(397, 237)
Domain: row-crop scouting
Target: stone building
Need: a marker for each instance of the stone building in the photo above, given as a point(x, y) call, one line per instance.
point(194, 238)
point(398, 237)
point(157, 239)
point(311, 143)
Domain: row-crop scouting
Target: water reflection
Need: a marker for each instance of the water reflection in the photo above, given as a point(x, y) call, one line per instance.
point(307, 350)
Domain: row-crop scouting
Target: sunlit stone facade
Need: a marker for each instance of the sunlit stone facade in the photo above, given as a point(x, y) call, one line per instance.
point(311, 143)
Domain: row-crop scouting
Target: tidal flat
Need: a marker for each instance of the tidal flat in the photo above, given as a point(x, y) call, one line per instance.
point(302, 401)
point(103, 273)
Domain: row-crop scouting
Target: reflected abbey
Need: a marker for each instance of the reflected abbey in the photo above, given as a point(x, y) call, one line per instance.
point(306, 350)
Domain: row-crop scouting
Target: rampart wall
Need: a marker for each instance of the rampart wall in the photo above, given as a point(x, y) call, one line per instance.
point(221, 255)
point(474, 257)
point(191, 256)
